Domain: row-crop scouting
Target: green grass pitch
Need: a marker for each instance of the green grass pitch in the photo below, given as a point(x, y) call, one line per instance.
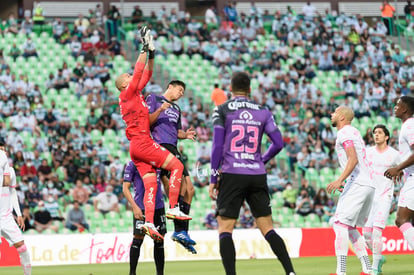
point(395, 265)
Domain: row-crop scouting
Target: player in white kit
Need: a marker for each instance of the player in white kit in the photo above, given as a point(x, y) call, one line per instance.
point(381, 157)
point(4, 170)
point(9, 229)
point(404, 110)
point(356, 185)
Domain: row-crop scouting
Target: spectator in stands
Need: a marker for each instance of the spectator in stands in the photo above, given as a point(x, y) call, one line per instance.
point(28, 218)
point(57, 28)
point(27, 26)
point(113, 16)
point(114, 47)
point(106, 122)
point(210, 16)
point(60, 82)
point(14, 52)
point(80, 193)
point(329, 212)
point(304, 158)
point(49, 122)
point(106, 201)
point(38, 14)
point(292, 150)
point(321, 200)
point(75, 46)
point(304, 203)
point(82, 24)
point(289, 196)
point(76, 219)
point(29, 48)
point(43, 219)
point(387, 14)
point(52, 206)
point(246, 219)
point(50, 189)
point(218, 96)
point(44, 172)
point(12, 24)
point(32, 194)
point(210, 220)
point(28, 171)
point(137, 15)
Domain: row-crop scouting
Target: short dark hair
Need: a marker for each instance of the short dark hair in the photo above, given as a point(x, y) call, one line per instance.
point(240, 83)
point(409, 102)
point(2, 142)
point(384, 129)
point(177, 82)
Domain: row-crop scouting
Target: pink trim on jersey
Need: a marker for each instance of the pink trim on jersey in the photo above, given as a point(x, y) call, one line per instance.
point(405, 227)
point(367, 229)
point(347, 144)
point(6, 173)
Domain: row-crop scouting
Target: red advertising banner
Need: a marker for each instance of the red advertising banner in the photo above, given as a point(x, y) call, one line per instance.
point(8, 255)
point(320, 242)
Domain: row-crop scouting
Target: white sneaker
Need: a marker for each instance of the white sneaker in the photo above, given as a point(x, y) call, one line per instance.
point(150, 229)
point(176, 214)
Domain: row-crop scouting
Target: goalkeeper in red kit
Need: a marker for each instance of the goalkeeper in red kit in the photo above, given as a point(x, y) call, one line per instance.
point(146, 154)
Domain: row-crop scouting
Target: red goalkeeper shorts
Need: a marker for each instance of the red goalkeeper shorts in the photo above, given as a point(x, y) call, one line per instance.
point(147, 155)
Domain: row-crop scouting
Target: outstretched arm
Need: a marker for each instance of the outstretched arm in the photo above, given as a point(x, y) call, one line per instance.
point(150, 65)
point(138, 72)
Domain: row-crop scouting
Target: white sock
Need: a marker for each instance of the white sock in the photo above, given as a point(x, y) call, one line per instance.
point(408, 231)
point(341, 246)
point(367, 231)
point(25, 259)
point(359, 247)
point(376, 247)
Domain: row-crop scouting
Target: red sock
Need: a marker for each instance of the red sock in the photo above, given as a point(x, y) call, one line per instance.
point(150, 184)
point(176, 168)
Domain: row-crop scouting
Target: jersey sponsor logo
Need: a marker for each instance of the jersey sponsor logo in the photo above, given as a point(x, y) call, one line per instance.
point(246, 115)
point(235, 105)
point(246, 165)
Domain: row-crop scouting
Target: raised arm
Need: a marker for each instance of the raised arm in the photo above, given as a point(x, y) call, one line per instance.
point(149, 67)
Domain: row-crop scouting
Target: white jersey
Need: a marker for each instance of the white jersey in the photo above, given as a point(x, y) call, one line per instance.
point(4, 168)
point(405, 141)
point(379, 162)
point(362, 173)
point(6, 206)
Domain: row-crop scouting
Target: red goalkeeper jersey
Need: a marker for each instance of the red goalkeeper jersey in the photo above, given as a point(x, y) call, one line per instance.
point(134, 109)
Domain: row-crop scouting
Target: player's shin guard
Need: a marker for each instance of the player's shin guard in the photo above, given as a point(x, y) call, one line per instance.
point(408, 231)
point(25, 259)
point(134, 252)
point(176, 169)
point(367, 232)
point(150, 184)
point(159, 257)
point(376, 247)
point(359, 248)
point(228, 253)
point(341, 246)
point(279, 248)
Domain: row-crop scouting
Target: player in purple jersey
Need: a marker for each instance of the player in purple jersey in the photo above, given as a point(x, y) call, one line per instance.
point(131, 175)
point(239, 125)
point(165, 121)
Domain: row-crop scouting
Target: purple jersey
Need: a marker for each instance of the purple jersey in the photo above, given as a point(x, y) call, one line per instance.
point(165, 129)
point(244, 123)
point(131, 175)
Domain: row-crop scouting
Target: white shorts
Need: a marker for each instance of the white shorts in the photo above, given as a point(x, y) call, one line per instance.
point(406, 198)
point(10, 230)
point(380, 210)
point(354, 205)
